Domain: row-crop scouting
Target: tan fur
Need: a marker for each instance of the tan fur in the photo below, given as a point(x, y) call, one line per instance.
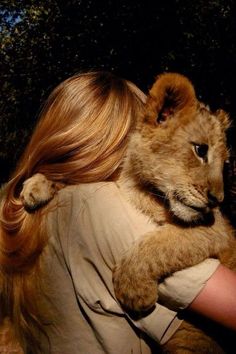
point(164, 177)
point(189, 339)
point(37, 191)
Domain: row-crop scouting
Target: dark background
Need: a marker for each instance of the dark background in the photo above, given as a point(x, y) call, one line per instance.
point(44, 42)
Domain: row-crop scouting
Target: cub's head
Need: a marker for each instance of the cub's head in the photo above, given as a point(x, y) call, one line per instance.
point(179, 148)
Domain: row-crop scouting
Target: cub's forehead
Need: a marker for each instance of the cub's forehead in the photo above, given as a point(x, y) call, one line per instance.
point(205, 127)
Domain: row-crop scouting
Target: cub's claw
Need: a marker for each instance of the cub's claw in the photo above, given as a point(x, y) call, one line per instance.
point(37, 191)
point(135, 291)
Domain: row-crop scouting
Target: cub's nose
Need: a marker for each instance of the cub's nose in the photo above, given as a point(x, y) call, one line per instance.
point(214, 200)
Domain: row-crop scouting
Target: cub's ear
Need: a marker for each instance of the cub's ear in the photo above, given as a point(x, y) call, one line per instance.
point(170, 94)
point(223, 118)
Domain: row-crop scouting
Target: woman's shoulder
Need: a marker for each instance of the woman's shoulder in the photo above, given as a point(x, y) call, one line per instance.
point(89, 191)
point(105, 200)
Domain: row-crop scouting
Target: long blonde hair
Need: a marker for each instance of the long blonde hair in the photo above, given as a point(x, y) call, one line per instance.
point(81, 136)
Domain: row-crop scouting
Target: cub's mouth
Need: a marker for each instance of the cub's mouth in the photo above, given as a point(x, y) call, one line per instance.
point(181, 209)
point(187, 212)
point(201, 209)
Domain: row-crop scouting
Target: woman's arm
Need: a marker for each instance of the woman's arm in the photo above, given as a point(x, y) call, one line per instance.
point(217, 299)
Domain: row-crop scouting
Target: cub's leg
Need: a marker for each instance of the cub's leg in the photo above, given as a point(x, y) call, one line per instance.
point(161, 253)
point(37, 191)
point(190, 339)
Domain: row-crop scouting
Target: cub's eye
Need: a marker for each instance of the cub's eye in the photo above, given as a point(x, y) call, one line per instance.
point(201, 150)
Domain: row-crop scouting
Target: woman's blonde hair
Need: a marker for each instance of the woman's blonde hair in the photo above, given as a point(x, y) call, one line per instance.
point(81, 136)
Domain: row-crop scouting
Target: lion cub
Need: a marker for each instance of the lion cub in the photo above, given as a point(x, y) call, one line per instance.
point(173, 172)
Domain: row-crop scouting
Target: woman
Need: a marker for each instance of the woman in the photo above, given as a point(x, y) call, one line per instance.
point(57, 261)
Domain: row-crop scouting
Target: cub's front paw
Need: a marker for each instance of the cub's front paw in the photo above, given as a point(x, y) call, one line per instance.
point(134, 288)
point(37, 191)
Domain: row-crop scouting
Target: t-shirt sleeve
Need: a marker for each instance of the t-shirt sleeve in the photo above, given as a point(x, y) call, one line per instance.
point(180, 289)
point(175, 293)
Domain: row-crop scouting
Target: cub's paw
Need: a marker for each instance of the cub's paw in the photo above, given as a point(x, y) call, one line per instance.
point(135, 290)
point(37, 191)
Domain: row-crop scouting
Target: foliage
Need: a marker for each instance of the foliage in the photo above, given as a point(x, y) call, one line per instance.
point(24, 75)
point(43, 42)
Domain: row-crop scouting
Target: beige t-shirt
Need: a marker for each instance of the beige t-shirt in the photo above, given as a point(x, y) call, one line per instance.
point(89, 231)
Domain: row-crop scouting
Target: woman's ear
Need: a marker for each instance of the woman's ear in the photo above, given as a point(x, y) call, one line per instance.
point(170, 94)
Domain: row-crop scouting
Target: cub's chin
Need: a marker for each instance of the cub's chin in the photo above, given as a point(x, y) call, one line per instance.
point(187, 214)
